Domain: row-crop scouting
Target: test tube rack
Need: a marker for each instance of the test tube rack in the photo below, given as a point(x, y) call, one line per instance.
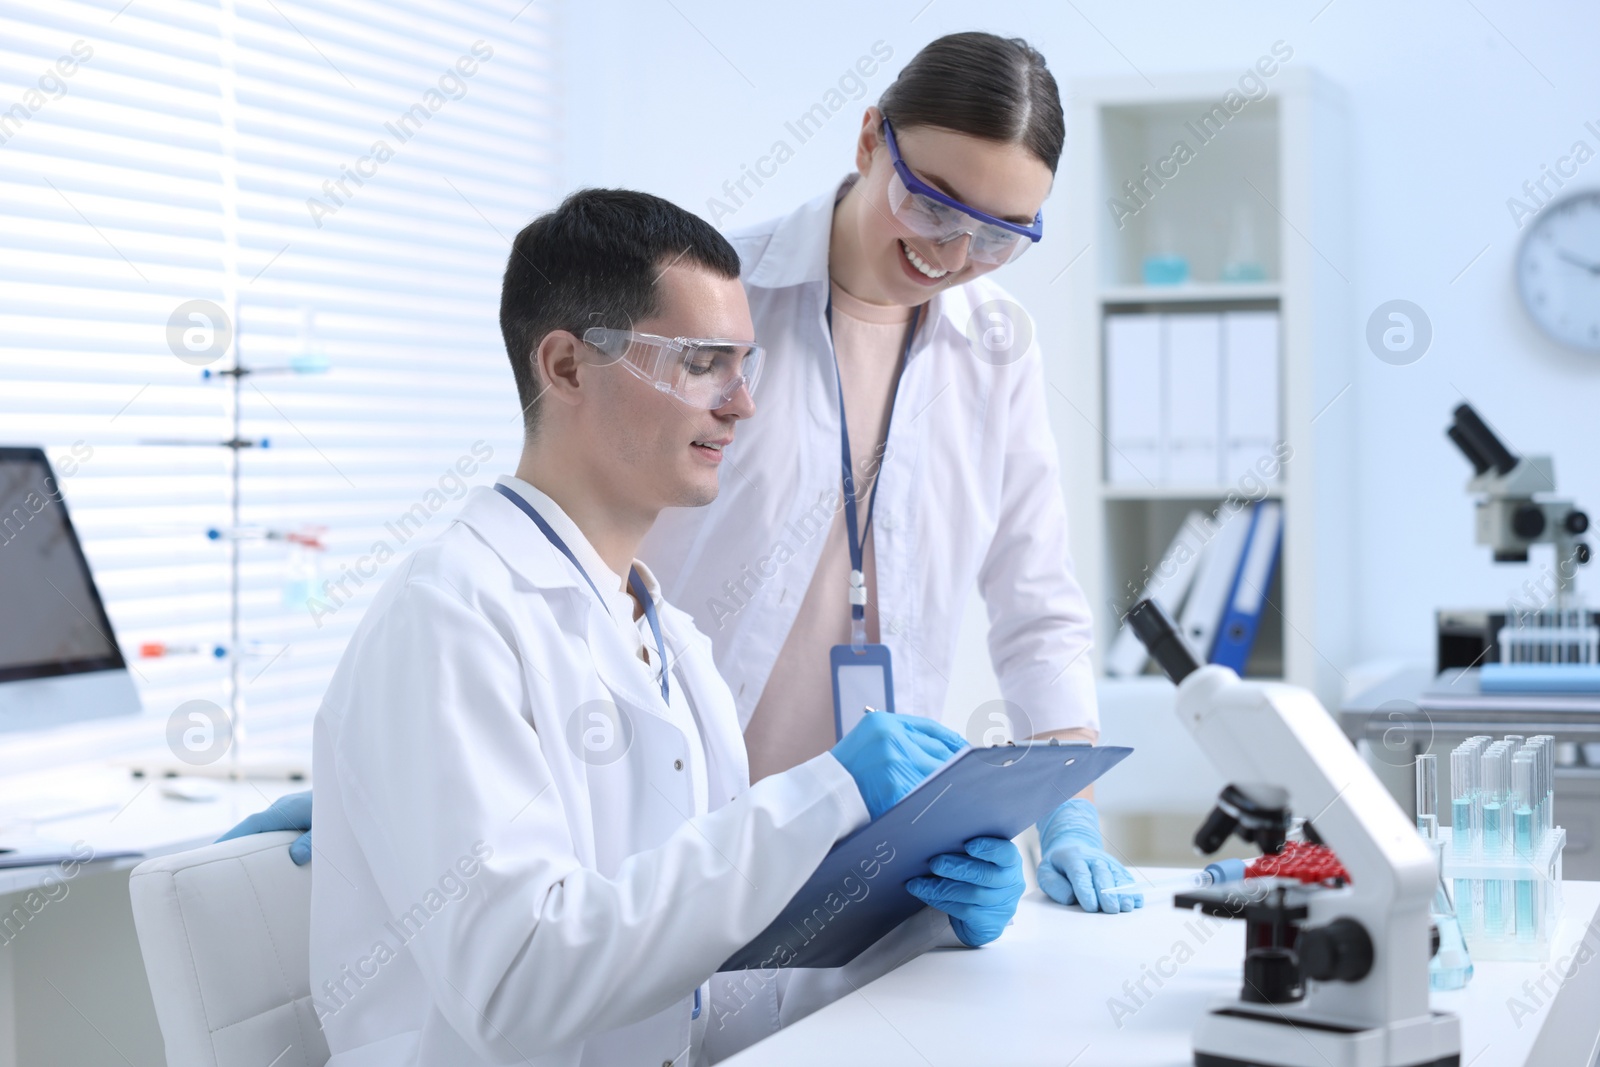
point(1515, 899)
point(1566, 636)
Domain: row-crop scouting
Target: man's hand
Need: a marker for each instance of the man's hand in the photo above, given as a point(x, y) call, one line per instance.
point(978, 890)
point(289, 812)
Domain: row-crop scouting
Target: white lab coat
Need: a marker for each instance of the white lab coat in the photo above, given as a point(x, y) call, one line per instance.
point(481, 894)
point(969, 497)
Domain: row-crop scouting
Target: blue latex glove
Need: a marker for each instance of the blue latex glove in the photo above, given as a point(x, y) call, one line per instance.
point(978, 890)
point(289, 812)
point(1073, 862)
point(889, 755)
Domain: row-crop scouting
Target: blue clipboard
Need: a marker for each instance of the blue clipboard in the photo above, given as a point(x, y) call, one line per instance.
point(857, 894)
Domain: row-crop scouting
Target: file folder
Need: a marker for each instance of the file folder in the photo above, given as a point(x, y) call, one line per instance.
point(1194, 397)
point(858, 894)
point(1250, 413)
point(1259, 560)
point(1219, 565)
point(1169, 580)
point(1133, 399)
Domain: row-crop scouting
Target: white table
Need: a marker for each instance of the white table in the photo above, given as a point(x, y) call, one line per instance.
point(1061, 988)
point(134, 815)
point(72, 984)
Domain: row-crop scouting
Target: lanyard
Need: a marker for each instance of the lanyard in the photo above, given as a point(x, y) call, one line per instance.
point(857, 535)
point(634, 581)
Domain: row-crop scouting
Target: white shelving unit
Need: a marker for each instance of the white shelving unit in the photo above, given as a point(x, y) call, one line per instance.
point(1277, 162)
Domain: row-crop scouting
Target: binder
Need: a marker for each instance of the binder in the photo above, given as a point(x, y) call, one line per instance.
point(1219, 564)
point(1257, 562)
point(1191, 361)
point(1133, 399)
point(858, 894)
point(1169, 580)
point(1250, 416)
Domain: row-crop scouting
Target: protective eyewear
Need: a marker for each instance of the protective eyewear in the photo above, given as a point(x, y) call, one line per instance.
point(930, 214)
point(701, 372)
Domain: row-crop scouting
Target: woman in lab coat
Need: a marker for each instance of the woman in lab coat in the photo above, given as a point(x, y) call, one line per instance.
point(875, 299)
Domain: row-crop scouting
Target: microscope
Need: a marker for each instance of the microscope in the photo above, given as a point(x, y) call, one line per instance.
point(1510, 518)
point(1334, 975)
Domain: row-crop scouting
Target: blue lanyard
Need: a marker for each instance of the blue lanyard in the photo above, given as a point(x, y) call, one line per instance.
point(857, 535)
point(635, 583)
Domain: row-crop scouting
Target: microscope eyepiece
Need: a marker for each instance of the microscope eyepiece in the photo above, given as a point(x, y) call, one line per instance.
point(1156, 631)
point(1473, 436)
point(1479, 462)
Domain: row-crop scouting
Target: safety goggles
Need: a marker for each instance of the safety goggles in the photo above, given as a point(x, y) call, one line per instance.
point(930, 214)
point(701, 372)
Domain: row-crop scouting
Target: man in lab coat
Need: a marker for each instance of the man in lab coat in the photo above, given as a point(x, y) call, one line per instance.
point(536, 836)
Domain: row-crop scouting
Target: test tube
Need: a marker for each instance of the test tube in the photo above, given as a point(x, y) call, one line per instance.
point(1493, 781)
point(1428, 796)
point(1463, 787)
point(1477, 746)
point(1480, 744)
point(1535, 750)
point(1463, 821)
point(1522, 789)
point(1545, 784)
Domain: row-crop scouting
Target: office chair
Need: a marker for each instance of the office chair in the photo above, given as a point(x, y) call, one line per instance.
point(225, 934)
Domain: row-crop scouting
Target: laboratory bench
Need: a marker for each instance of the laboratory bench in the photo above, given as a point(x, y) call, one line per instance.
point(1060, 987)
point(1067, 988)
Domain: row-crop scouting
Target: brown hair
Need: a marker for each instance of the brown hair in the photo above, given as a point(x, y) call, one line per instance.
point(997, 88)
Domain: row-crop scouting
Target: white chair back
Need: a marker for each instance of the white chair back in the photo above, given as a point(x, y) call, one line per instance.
point(225, 931)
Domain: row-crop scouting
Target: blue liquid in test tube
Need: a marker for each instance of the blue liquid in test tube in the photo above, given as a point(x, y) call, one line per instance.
point(1522, 835)
point(1494, 838)
point(1463, 788)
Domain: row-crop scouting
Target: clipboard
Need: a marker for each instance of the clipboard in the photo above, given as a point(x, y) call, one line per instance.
point(857, 894)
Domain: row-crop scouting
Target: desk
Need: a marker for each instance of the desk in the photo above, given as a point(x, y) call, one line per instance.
point(1063, 987)
point(72, 984)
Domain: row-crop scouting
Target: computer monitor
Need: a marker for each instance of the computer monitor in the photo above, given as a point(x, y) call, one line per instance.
point(59, 660)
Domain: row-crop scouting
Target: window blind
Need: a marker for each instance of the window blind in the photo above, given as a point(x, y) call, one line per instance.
point(331, 183)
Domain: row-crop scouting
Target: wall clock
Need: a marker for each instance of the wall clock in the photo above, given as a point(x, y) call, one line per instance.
point(1558, 270)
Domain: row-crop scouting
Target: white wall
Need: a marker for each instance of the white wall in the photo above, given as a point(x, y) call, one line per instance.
point(1452, 107)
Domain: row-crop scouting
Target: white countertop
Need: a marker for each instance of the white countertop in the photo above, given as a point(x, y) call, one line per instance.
point(1061, 987)
point(117, 812)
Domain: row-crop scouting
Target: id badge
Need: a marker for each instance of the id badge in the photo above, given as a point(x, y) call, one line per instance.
point(861, 680)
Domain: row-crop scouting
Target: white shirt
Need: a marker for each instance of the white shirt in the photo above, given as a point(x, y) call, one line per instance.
point(969, 496)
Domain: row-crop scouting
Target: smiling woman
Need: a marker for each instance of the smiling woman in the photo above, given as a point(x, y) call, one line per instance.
point(957, 191)
point(827, 587)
